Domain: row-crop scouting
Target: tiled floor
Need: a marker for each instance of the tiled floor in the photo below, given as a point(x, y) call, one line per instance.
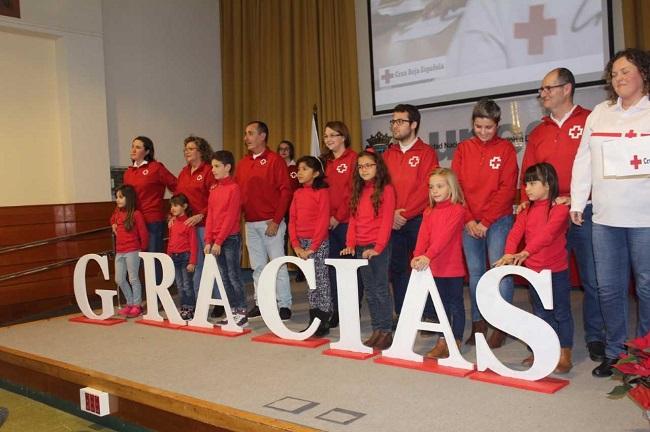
point(28, 415)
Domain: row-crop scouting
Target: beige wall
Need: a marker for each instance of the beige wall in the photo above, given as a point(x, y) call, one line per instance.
point(163, 75)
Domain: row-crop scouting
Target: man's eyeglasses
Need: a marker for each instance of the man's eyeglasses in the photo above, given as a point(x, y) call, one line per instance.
point(399, 122)
point(549, 88)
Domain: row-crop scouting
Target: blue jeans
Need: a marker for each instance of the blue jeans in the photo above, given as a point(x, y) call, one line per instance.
point(375, 283)
point(156, 231)
point(451, 294)
point(579, 241)
point(262, 249)
point(229, 262)
point(132, 290)
point(493, 244)
point(183, 279)
point(615, 250)
point(559, 317)
point(402, 244)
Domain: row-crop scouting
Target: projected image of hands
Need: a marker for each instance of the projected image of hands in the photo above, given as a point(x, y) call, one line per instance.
point(434, 52)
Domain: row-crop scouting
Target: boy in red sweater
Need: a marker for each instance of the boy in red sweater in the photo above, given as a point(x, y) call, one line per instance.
point(222, 237)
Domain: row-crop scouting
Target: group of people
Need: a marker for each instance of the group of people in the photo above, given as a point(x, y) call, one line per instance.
point(402, 211)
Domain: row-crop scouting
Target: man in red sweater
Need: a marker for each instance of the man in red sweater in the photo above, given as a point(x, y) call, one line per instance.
point(556, 141)
point(264, 181)
point(410, 161)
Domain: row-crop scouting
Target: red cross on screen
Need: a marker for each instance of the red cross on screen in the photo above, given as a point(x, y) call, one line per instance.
point(536, 29)
point(636, 162)
point(630, 134)
point(387, 76)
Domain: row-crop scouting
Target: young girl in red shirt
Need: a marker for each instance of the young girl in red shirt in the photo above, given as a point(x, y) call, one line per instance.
point(131, 237)
point(308, 225)
point(181, 247)
point(371, 219)
point(543, 226)
point(440, 247)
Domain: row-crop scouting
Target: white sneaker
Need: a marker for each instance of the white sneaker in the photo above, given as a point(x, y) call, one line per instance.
point(240, 319)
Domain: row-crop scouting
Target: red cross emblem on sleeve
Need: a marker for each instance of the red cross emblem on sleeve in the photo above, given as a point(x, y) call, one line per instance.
point(575, 132)
point(495, 162)
point(342, 168)
point(414, 161)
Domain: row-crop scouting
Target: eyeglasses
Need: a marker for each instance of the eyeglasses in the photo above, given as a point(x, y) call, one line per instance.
point(399, 122)
point(334, 135)
point(365, 166)
point(283, 149)
point(191, 148)
point(549, 88)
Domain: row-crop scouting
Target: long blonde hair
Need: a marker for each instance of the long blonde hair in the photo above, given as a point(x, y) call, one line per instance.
point(455, 192)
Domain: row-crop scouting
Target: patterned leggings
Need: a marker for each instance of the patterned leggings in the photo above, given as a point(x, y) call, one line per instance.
point(320, 298)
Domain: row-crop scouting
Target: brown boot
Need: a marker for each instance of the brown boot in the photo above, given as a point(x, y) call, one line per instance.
point(528, 361)
point(384, 341)
point(440, 350)
point(497, 339)
point(370, 342)
point(477, 327)
point(564, 365)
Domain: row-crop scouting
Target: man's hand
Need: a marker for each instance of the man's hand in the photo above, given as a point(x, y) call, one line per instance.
point(398, 219)
point(576, 218)
point(271, 228)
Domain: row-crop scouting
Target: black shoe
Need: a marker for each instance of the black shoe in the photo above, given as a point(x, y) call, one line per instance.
point(217, 312)
point(334, 321)
point(324, 327)
point(604, 370)
point(285, 313)
point(254, 312)
point(596, 351)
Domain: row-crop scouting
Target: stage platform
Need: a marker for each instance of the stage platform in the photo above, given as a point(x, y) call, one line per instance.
point(172, 380)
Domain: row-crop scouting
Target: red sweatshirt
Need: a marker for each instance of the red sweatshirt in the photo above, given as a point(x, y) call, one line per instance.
point(556, 145)
point(487, 172)
point(338, 173)
point(130, 241)
point(224, 210)
point(309, 216)
point(293, 177)
point(409, 174)
point(149, 181)
point(364, 227)
point(544, 233)
point(196, 187)
point(441, 239)
point(182, 238)
point(265, 189)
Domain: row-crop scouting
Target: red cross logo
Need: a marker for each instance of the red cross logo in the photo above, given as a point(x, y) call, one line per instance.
point(199, 177)
point(635, 162)
point(575, 132)
point(387, 76)
point(535, 29)
point(495, 162)
point(293, 175)
point(262, 161)
point(342, 168)
point(631, 134)
point(414, 161)
point(145, 172)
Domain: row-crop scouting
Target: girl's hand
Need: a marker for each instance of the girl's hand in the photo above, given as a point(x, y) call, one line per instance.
point(369, 253)
point(333, 222)
point(191, 267)
point(207, 249)
point(520, 257)
point(420, 263)
point(347, 251)
point(507, 259)
point(216, 250)
point(194, 220)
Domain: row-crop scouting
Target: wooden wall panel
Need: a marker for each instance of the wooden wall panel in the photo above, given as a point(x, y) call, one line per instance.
point(51, 290)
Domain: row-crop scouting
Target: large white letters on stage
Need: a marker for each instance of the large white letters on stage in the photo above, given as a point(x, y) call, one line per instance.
point(80, 293)
point(533, 331)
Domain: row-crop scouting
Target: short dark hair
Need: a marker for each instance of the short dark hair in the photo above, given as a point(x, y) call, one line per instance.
point(487, 108)
point(148, 145)
point(412, 111)
point(261, 128)
point(226, 158)
point(317, 165)
point(181, 200)
point(565, 76)
point(638, 58)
